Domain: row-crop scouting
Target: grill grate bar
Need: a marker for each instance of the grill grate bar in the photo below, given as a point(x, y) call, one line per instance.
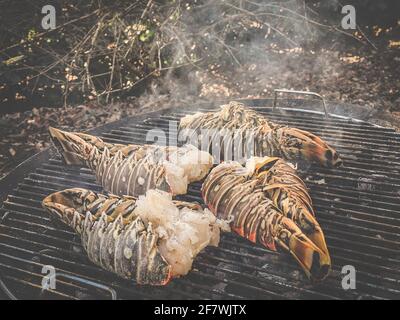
point(37, 277)
point(24, 285)
point(334, 250)
point(87, 268)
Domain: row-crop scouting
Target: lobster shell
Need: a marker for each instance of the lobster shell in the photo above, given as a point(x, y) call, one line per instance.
point(133, 169)
point(132, 240)
point(267, 203)
point(239, 133)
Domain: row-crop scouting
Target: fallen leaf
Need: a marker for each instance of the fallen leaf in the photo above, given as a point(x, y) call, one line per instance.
point(12, 152)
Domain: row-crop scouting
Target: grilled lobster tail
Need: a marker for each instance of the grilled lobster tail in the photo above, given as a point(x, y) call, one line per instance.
point(136, 239)
point(112, 239)
point(236, 126)
point(265, 209)
point(289, 193)
point(133, 169)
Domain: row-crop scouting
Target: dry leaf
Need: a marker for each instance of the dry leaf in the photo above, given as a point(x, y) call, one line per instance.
point(12, 152)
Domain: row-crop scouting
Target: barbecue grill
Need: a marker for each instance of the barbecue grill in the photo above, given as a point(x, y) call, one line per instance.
point(357, 206)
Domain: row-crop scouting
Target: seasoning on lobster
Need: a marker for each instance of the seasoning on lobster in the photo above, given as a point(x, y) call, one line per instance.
point(150, 239)
point(133, 169)
point(238, 127)
point(267, 203)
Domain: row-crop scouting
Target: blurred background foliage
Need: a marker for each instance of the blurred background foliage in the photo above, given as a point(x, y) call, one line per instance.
point(104, 50)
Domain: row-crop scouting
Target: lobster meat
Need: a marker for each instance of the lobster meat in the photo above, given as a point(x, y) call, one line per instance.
point(133, 169)
point(236, 126)
point(150, 239)
point(267, 203)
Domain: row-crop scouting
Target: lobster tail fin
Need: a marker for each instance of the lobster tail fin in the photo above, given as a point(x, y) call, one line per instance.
point(315, 262)
point(74, 150)
point(296, 143)
point(68, 205)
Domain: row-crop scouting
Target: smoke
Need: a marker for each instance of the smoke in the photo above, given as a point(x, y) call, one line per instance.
point(245, 49)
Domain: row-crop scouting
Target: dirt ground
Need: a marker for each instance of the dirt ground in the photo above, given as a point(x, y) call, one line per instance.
point(358, 74)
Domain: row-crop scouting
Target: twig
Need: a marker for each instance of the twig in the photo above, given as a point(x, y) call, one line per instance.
point(52, 30)
point(228, 48)
point(94, 39)
point(264, 23)
point(113, 66)
point(149, 4)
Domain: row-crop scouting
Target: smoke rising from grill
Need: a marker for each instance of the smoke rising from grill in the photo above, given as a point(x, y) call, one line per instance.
point(239, 49)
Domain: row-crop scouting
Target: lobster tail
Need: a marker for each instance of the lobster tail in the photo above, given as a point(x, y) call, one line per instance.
point(113, 148)
point(270, 139)
point(315, 262)
point(150, 239)
point(57, 205)
point(289, 193)
point(267, 203)
point(295, 143)
point(73, 149)
point(125, 246)
point(134, 169)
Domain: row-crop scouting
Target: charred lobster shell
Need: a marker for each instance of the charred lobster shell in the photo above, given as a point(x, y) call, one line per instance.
point(268, 203)
point(133, 169)
point(234, 126)
point(136, 239)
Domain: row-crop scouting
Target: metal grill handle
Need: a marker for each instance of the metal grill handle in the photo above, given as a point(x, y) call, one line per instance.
point(310, 93)
point(90, 283)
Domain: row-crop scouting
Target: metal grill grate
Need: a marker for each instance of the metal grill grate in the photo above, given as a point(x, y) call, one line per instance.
point(357, 206)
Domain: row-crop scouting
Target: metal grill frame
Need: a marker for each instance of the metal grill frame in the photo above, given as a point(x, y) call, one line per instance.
point(237, 269)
